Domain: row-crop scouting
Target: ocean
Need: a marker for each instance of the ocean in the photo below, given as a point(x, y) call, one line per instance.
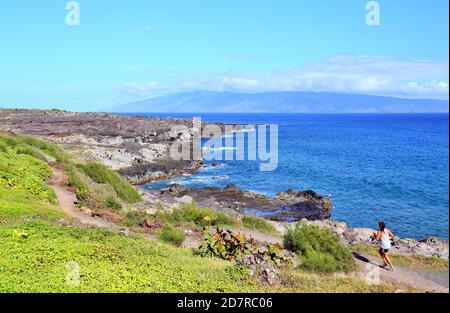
point(391, 167)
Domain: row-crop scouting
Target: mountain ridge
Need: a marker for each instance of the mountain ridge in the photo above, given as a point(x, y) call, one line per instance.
point(281, 102)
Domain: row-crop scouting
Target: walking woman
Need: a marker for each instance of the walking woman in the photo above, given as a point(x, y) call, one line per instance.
point(383, 236)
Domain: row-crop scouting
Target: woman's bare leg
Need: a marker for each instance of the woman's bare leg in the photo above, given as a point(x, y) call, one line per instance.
point(388, 260)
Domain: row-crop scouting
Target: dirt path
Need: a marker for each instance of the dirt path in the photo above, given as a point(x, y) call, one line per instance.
point(262, 237)
point(67, 199)
point(373, 271)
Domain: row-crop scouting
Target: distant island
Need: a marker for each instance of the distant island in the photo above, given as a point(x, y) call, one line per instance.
point(281, 102)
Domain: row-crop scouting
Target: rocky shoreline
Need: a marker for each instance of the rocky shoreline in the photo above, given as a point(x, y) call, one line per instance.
point(138, 148)
point(285, 206)
point(305, 206)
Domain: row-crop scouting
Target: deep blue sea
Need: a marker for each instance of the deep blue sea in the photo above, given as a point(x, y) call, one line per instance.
point(391, 167)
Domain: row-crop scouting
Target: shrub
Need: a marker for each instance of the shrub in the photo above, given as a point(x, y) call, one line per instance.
point(45, 147)
point(9, 141)
point(3, 147)
point(171, 235)
point(226, 245)
point(319, 249)
point(192, 213)
point(133, 218)
point(31, 151)
point(75, 179)
point(103, 175)
point(273, 253)
point(259, 224)
point(112, 203)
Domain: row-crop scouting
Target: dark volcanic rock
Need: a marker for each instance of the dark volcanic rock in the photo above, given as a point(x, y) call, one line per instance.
point(136, 146)
point(233, 200)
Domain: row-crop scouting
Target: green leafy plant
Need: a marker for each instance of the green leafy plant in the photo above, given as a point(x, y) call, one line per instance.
point(225, 244)
point(19, 234)
point(273, 253)
point(171, 235)
point(319, 249)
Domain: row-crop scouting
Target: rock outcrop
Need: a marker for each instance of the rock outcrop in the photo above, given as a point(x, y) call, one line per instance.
point(232, 200)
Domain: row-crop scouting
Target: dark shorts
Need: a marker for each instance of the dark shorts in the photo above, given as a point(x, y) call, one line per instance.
point(384, 250)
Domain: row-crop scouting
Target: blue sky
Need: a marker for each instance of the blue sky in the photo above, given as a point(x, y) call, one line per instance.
point(131, 50)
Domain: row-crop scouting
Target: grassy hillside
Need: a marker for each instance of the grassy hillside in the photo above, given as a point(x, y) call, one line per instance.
point(42, 250)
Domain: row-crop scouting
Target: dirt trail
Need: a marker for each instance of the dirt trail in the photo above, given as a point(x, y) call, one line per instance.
point(67, 199)
point(262, 237)
point(405, 276)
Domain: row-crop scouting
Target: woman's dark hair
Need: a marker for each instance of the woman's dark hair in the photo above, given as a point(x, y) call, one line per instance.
point(382, 225)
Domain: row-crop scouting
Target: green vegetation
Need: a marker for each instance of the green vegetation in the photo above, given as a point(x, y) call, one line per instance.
point(416, 262)
point(258, 224)
point(103, 175)
point(225, 245)
point(301, 280)
point(112, 203)
point(171, 235)
point(133, 218)
point(192, 213)
point(31, 151)
point(28, 143)
point(3, 147)
point(40, 262)
point(91, 194)
point(23, 191)
point(26, 173)
point(16, 205)
point(318, 249)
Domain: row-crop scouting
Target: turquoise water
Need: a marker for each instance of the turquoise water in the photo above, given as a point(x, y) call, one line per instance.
point(376, 167)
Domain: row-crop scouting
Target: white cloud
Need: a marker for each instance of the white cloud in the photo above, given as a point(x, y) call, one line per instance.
point(343, 73)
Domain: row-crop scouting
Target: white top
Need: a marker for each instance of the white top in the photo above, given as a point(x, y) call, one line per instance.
point(385, 241)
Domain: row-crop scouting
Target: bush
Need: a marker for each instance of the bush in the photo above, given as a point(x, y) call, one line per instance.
point(75, 179)
point(226, 245)
point(133, 218)
point(103, 175)
point(259, 224)
point(3, 147)
point(112, 203)
point(171, 235)
point(31, 151)
point(319, 249)
point(192, 213)
point(9, 141)
point(45, 147)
